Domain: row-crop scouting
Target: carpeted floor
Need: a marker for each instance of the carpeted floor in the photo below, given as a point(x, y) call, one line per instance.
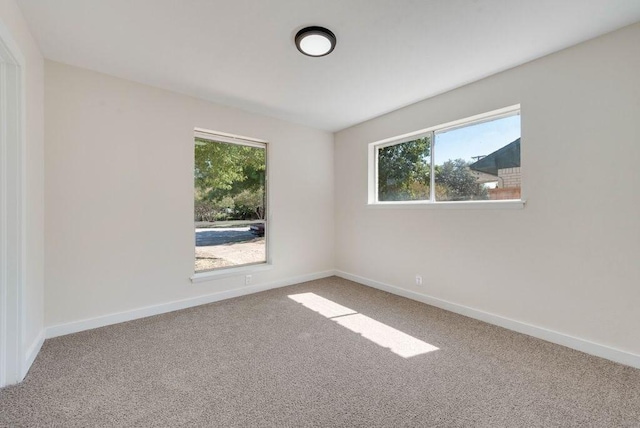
point(269, 360)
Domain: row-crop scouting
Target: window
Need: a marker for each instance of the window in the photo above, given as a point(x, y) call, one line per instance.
point(230, 198)
point(477, 159)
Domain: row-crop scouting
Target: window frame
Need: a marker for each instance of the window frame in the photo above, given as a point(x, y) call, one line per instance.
point(246, 268)
point(432, 132)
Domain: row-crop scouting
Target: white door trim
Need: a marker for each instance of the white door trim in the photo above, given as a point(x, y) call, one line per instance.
point(12, 209)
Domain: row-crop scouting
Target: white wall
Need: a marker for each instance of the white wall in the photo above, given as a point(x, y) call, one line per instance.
point(569, 261)
point(119, 194)
point(12, 19)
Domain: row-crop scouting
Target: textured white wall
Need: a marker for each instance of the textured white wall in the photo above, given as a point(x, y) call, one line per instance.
point(12, 19)
point(119, 194)
point(569, 260)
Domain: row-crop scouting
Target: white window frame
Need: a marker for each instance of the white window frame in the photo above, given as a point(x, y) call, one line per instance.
point(432, 132)
point(245, 269)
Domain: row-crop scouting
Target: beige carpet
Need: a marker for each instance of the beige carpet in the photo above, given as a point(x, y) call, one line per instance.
point(269, 360)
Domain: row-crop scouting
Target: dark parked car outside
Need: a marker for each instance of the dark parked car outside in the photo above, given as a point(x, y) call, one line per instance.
point(257, 229)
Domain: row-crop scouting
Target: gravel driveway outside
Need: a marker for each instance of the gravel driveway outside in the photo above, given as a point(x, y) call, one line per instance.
point(224, 247)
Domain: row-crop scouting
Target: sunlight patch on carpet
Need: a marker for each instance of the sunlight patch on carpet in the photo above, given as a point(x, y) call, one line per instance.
point(381, 334)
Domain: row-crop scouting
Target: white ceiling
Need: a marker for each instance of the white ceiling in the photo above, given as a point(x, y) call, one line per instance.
point(390, 53)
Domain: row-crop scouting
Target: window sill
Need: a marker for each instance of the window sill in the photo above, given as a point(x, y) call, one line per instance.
point(229, 272)
point(462, 205)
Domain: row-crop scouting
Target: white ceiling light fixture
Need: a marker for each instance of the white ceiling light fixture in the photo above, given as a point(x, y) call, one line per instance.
point(315, 41)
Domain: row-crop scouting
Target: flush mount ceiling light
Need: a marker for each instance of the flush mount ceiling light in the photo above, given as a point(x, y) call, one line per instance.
point(315, 41)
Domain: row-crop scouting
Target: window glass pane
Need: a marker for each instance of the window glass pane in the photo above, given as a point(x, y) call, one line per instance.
point(403, 171)
point(229, 204)
point(479, 162)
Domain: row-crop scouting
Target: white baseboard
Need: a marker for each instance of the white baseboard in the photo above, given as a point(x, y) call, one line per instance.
point(31, 355)
point(101, 321)
point(572, 342)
